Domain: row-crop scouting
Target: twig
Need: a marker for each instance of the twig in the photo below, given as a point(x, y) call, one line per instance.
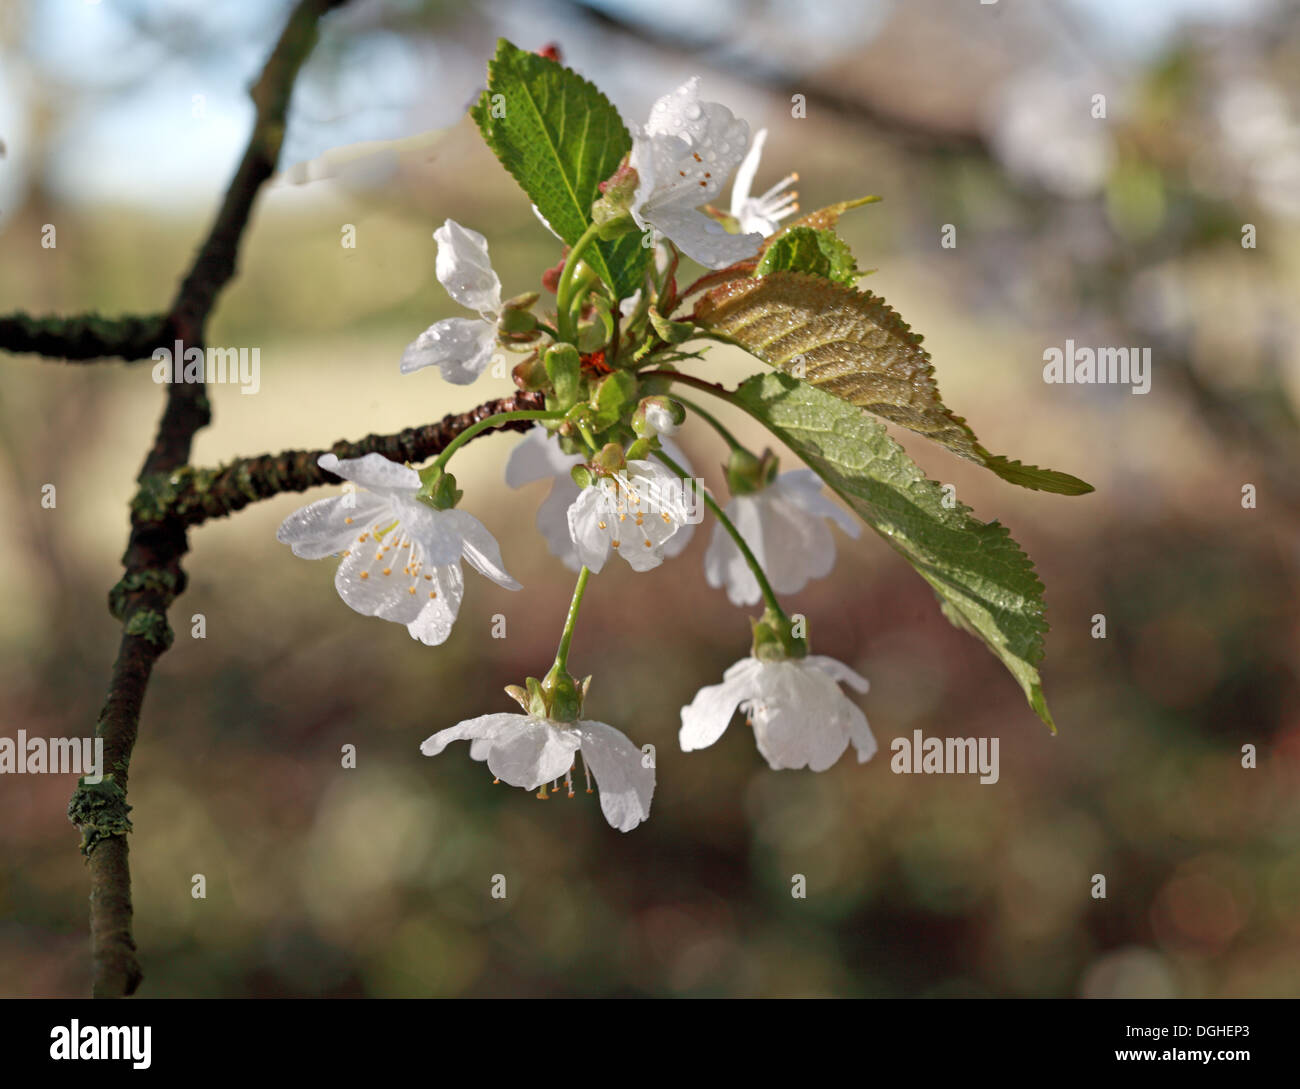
point(153, 576)
point(192, 496)
point(84, 338)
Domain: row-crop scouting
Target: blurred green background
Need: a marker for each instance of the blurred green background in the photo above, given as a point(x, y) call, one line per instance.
point(122, 123)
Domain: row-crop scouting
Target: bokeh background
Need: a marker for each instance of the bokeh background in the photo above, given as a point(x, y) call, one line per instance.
point(121, 124)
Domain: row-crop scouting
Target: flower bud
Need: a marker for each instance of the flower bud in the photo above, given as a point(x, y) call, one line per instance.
point(610, 459)
point(747, 474)
point(530, 375)
point(658, 416)
point(515, 314)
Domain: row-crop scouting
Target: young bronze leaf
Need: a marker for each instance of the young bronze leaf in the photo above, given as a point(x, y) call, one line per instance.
point(852, 344)
point(846, 342)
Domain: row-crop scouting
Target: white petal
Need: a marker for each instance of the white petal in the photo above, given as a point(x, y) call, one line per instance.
point(437, 613)
point(864, 741)
point(800, 720)
point(838, 671)
point(324, 528)
point(533, 752)
point(683, 157)
point(723, 563)
point(591, 542)
point(465, 270)
point(748, 168)
point(805, 488)
point(485, 727)
point(796, 547)
point(701, 238)
point(438, 539)
point(553, 522)
point(537, 456)
point(461, 348)
point(480, 547)
point(625, 786)
point(373, 471)
point(707, 716)
point(676, 544)
point(362, 584)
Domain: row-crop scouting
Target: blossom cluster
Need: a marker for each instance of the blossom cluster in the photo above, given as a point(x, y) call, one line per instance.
point(618, 482)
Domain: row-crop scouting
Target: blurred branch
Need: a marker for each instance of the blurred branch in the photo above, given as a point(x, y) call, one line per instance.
point(192, 496)
point(153, 577)
point(906, 132)
point(84, 338)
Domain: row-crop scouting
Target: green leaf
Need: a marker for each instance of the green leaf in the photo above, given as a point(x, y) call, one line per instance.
point(985, 583)
point(852, 344)
point(560, 138)
point(805, 249)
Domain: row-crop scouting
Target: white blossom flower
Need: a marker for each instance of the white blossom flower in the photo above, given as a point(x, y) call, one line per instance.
point(537, 456)
point(400, 559)
point(682, 158)
point(784, 525)
point(528, 752)
point(635, 512)
point(460, 347)
point(799, 715)
point(761, 214)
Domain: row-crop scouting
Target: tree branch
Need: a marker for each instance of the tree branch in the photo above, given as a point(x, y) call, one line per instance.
point(84, 338)
point(192, 496)
point(153, 577)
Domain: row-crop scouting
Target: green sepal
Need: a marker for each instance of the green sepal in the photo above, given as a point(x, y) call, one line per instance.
point(774, 638)
point(564, 368)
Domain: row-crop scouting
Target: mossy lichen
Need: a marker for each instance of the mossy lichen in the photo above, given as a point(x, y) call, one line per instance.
point(100, 811)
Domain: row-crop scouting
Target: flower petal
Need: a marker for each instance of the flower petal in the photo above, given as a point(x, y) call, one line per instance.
point(537, 456)
point(480, 548)
point(324, 528)
point(838, 672)
point(626, 786)
point(723, 563)
point(864, 741)
point(553, 521)
point(465, 269)
point(592, 542)
point(485, 727)
point(707, 716)
point(532, 753)
point(461, 348)
point(746, 172)
point(799, 719)
point(703, 239)
point(804, 488)
point(441, 589)
point(372, 471)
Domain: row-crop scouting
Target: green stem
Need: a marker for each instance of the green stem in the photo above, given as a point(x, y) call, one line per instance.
point(713, 421)
point(581, 285)
point(571, 622)
point(490, 421)
point(769, 595)
point(564, 289)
